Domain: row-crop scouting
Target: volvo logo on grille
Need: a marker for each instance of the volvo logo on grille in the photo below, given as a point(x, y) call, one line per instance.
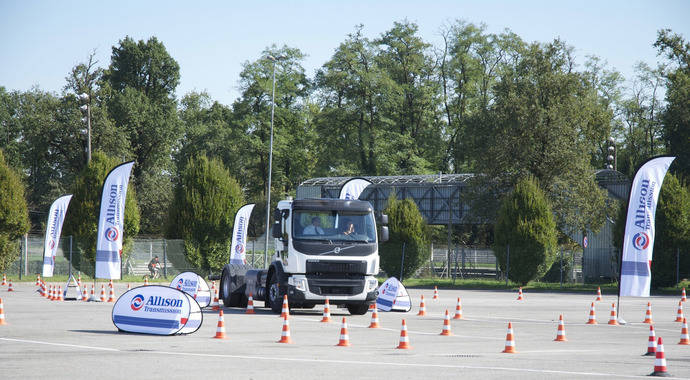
point(336, 250)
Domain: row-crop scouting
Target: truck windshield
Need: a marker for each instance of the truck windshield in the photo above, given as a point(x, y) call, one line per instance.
point(334, 226)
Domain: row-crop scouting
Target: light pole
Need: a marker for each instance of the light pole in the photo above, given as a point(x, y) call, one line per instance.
point(611, 158)
point(270, 157)
point(86, 110)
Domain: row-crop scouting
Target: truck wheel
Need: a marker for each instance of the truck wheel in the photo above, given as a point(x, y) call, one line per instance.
point(358, 309)
point(274, 298)
point(228, 289)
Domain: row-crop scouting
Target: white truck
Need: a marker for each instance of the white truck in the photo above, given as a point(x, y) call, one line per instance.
point(325, 248)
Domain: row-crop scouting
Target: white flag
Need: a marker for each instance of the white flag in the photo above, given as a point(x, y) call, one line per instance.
point(56, 217)
point(111, 222)
point(353, 188)
point(638, 241)
point(239, 235)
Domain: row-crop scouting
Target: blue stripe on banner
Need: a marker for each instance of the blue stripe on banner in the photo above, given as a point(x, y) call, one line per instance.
point(193, 323)
point(635, 268)
point(384, 302)
point(48, 261)
point(108, 256)
point(203, 299)
point(147, 322)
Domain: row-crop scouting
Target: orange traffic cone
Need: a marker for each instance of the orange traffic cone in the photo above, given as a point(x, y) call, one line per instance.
point(220, 330)
point(93, 292)
point(2, 313)
point(216, 303)
point(344, 337)
point(50, 293)
point(560, 334)
point(648, 314)
point(598, 293)
point(404, 343)
point(10, 288)
point(59, 296)
point(85, 295)
point(326, 312)
point(285, 334)
point(79, 280)
point(42, 289)
point(38, 280)
point(110, 283)
point(102, 292)
point(372, 307)
point(446, 325)
point(520, 297)
point(146, 281)
point(111, 293)
point(435, 293)
point(679, 314)
point(458, 310)
point(592, 318)
point(660, 361)
point(213, 285)
point(374, 320)
point(612, 317)
point(422, 307)
point(4, 280)
point(250, 305)
point(129, 286)
point(285, 313)
point(682, 296)
point(510, 341)
point(651, 343)
point(684, 338)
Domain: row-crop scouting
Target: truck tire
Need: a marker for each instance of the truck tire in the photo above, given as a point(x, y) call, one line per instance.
point(274, 297)
point(232, 286)
point(358, 308)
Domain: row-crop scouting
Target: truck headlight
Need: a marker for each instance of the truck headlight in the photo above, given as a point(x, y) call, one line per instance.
point(372, 283)
point(299, 283)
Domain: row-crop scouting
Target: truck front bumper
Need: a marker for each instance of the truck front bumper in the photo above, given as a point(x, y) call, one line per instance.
point(303, 289)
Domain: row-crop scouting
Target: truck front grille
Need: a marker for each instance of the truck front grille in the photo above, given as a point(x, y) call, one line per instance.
point(330, 286)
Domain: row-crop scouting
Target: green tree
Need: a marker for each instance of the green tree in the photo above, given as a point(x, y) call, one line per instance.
point(676, 115)
point(406, 227)
point(527, 228)
point(545, 121)
point(81, 220)
point(203, 212)
point(141, 82)
point(14, 215)
point(672, 233)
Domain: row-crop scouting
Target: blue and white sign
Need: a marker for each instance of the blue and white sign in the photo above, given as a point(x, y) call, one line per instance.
point(393, 296)
point(194, 285)
point(158, 310)
point(638, 241)
point(111, 222)
point(56, 216)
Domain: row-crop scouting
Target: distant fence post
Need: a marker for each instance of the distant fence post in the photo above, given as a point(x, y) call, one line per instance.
point(507, 262)
point(165, 259)
point(677, 266)
point(561, 257)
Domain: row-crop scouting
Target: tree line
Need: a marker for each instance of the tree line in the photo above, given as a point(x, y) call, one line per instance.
point(485, 103)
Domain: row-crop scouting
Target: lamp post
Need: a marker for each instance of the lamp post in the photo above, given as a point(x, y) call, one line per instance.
point(86, 110)
point(611, 158)
point(270, 157)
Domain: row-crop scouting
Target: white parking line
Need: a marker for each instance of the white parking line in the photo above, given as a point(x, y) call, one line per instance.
point(333, 361)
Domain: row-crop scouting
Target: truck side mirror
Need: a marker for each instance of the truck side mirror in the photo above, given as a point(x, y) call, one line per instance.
point(276, 231)
point(384, 219)
point(384, 234)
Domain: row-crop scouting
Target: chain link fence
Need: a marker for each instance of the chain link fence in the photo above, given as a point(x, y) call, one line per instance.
point(170, 253)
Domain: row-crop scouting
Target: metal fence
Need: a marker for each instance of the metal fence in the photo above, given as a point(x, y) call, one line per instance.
point(170, 253)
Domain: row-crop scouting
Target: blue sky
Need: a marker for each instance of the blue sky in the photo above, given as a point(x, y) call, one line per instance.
point(40, 41)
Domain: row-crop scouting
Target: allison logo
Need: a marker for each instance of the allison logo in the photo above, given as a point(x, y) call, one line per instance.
point(137, 302)
point(51, 244)
point(640, 241)
point(239, 248)
point(180, 283)
point(111, 234)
